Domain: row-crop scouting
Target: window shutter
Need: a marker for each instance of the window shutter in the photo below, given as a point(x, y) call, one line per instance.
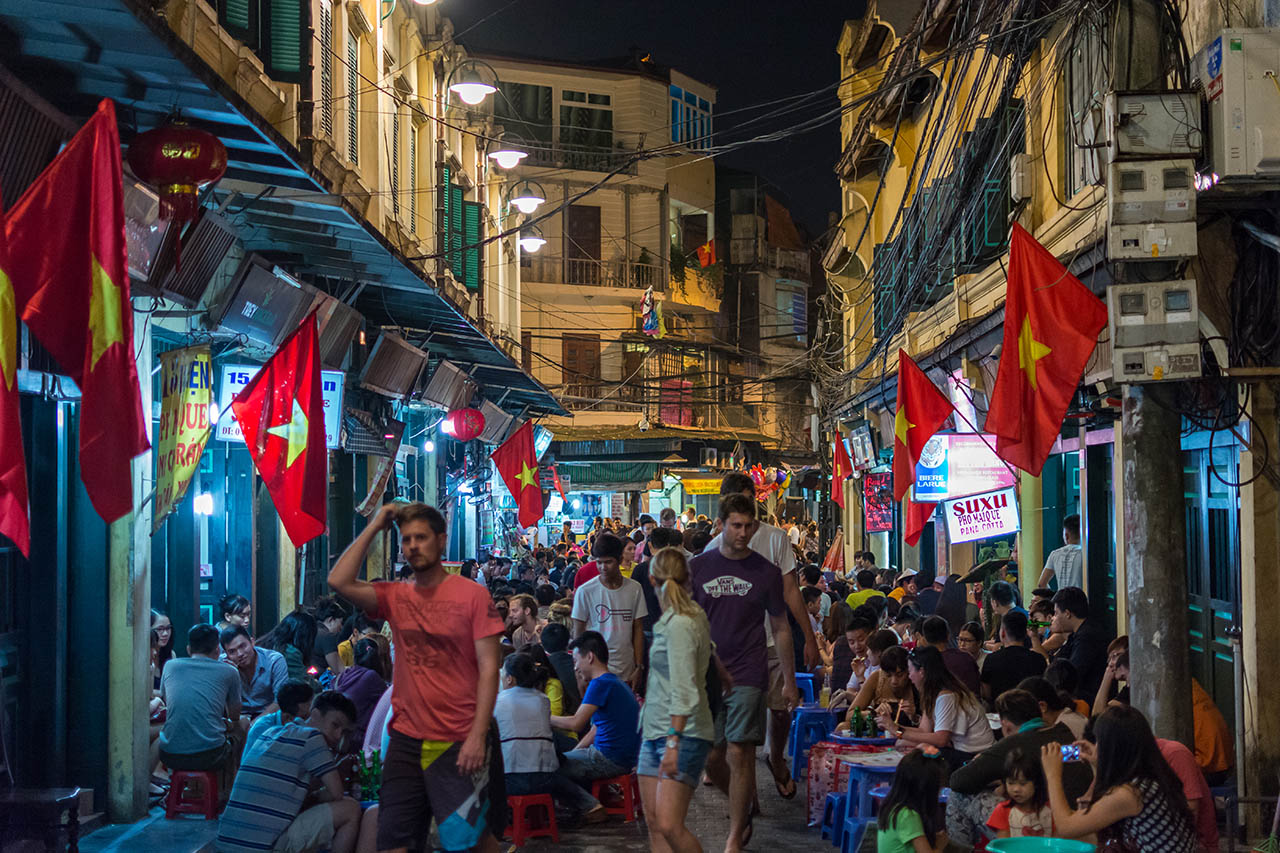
point(283, 54)
point(240, 19)
point(395, 162)
point(471, 238)
point(326, 69)
point(413, 180)
point(453, 228)
point(353, 98)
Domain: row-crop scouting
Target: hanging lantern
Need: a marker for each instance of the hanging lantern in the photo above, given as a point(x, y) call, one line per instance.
point(178, 160)
point(464, 424)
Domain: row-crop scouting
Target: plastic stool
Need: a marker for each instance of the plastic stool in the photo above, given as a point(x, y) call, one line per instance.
point(808, 726)
point(804, 681)
point(205, 799)
point(833, 818)
point(628, 805)
point(523, 827)
point(854, 829)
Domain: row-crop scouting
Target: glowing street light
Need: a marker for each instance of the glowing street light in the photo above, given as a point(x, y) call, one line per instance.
point(531, 239)
point(527, 196)
point(469, 82)
point(508, 155)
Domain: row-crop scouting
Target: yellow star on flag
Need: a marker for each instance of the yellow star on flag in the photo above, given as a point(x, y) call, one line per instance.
point(901, 426)
point(294, 432)
point(105, 322)
point(526, 475)
point(8, 331)
point(1030, 351)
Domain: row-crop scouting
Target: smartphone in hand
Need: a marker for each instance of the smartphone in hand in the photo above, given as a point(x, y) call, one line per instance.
point(1071, 752)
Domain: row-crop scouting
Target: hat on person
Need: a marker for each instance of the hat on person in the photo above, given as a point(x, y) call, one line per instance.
point(906, 573)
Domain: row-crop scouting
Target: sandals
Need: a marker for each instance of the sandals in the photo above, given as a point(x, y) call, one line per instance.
point(750, 829)
point(784, 787)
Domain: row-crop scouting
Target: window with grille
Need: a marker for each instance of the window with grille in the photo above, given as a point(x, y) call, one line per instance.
point(326, 69)
point(353, 98)
point(413, 180)
point(395, 162)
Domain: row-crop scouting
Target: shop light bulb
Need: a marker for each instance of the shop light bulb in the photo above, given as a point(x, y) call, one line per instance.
point(202, 504)
point(577, 504)
point(428, 446)
point(446, 426)
point(472, 92)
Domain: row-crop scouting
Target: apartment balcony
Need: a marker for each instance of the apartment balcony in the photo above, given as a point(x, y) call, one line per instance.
point(585, 158)
point(592, 273)
point(794, 262)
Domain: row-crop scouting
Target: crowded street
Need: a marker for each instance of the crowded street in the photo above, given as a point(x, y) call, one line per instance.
point(553, 425)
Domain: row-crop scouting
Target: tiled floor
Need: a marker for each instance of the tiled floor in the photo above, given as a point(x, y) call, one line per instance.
point(153, 835)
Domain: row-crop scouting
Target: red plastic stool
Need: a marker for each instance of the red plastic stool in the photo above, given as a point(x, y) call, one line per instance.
point(627, 800)
point(203, 801)
point(523, 826)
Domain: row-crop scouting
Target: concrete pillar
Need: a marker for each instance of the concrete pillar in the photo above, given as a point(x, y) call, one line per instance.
point(287, 560)
point(1117, 476)
point(1260, 596)
point(1156, 563)
point(1031, 537)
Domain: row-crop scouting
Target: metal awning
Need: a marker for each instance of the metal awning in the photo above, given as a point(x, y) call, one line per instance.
point(75, 53)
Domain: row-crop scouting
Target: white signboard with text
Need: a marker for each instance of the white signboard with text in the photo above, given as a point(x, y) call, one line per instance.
point(982, 516)
point(236, 376)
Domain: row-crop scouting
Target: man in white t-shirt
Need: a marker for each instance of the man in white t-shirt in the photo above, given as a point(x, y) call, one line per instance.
point(793, 532)
point(614, 606)
point(774, 545)
point(1066, 563)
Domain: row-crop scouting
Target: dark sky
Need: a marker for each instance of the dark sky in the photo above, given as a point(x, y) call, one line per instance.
point(751, 51)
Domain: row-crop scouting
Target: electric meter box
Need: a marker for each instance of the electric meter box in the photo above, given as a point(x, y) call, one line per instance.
point(1141, 191)
point(1238, 71)
point(1155, 331)
point(1144, 125)
point(1150, 241)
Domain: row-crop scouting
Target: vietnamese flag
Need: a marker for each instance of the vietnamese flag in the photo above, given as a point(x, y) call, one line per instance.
point(555, 478)
point(922, 410)
point(918, 516)
point(707, 253)
point(518, 467)
point(71, 287)
point(281, 412)
point(1051, 325)
point(15, 521)
point(841, 468)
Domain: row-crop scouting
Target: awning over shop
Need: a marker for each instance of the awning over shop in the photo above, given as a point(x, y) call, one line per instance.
point(611, 476)
point(74, 54)
point(634, 433)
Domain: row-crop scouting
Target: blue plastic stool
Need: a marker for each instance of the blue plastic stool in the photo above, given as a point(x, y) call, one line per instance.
point(854, 829)
point(833, 818)
point(804, 681)
point(808, 726)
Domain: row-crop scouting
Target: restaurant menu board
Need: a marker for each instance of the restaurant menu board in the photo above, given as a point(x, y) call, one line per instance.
point(954, 465)
point(982, 516)
point(877, 492)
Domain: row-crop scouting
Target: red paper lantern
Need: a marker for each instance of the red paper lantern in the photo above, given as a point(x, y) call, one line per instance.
point(178, 160)
point(465, 424)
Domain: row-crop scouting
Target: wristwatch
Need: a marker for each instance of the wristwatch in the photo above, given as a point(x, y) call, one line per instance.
point(673, 742)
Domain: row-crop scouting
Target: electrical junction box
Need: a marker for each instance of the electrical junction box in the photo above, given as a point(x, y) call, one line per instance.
point(1142, 191)
point(1155, 331)
point(1150, 241)
point(1163, 125)
point(1238, 71)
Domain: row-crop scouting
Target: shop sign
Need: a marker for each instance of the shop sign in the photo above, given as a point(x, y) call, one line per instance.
point(954, 465)
point(183, 430)
point(702, 487)
point(982, 516)
point(877, 493)
point(236, 376)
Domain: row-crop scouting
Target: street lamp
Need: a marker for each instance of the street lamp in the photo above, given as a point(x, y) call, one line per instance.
point(527, 196)
point(531, 239)
point(425, 2)
point(470, 82)
point(509, 153)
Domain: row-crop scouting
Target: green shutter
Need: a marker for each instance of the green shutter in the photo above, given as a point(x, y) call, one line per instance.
point(282, 53)
point(453, 216)
point(471, 239)
point(240, 19)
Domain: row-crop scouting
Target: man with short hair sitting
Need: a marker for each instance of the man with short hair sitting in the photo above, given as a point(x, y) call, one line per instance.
point(201, 695)
point(974, 786)
point(937, 633)
point(294, 698)
point(612, 745)
point(264, 811)
point(262, 671)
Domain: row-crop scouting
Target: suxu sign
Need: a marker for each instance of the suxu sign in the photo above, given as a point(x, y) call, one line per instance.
point(981, 516)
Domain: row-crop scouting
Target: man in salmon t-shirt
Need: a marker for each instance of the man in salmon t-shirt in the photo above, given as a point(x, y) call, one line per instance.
point(446, 633)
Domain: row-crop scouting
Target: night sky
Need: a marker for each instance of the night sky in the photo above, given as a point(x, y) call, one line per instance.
point(752, 52)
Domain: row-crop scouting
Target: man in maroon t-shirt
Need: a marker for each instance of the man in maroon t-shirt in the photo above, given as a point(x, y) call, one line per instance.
point(737, 587)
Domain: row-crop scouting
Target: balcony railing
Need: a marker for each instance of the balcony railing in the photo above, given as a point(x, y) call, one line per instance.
point(584, 158)
point(593, 273)
point(791, 261)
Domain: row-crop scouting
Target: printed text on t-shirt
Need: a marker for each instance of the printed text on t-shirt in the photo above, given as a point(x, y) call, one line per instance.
point(727, 585)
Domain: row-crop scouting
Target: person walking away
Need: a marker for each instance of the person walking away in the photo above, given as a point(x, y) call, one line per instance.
point(614, 607)
point(1066, 564)
point(737, 588)
point(677, 728)
point(445, 630)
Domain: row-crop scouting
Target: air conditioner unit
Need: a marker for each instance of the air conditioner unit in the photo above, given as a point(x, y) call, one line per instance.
point(338, 324)
point(497, 423)
point(205, 246)
point(1155, 331)
point(1237, 70)
point(147, 236)
point(709, 457)
point(393, 366)
point(449, 387)
point(264, 302)
point(1142, 125)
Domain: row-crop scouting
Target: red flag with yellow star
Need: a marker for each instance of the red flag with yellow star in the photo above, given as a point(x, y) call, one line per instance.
point(922, 410)
point(15, 521)
point(71, 287)
point(518, 467)
point(1051, 325)
point(918, 516)
point(841, 468)
point(281, 412)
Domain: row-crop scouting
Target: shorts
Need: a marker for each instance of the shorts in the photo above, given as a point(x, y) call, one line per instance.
point(743, 717)
point(691, 759)
point(421, 781)
point(210, 759)
point(311, 830)
point(777, 682)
